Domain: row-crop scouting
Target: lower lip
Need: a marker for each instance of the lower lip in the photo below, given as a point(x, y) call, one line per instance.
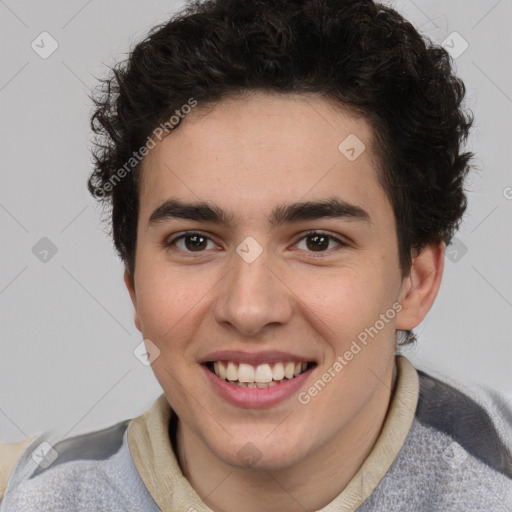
point(256, 398)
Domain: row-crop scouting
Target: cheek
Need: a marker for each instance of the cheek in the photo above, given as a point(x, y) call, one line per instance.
point(165, 299)
point(343, 303)
point(336, 293)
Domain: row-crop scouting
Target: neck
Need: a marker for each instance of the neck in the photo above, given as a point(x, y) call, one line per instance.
point(308, 485)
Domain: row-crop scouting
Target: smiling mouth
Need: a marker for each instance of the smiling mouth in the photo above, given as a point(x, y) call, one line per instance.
point(259, 376)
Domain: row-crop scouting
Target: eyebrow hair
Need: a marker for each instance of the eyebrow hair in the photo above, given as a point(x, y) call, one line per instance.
point(286, 213)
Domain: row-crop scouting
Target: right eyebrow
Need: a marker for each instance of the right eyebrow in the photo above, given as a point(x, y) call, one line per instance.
point(172, 208)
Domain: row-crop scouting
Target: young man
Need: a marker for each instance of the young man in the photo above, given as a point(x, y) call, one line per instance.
point(283, 178)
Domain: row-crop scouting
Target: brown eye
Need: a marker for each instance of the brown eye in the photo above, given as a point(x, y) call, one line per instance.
point(320, 243)
point(190, 242)
point(317, 242)
point(195, 242)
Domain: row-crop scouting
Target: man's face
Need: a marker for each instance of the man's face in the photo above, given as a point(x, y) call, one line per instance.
point(303, 298)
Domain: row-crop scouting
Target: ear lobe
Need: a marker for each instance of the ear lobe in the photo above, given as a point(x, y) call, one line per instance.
point(420, 287)
point(129, 281)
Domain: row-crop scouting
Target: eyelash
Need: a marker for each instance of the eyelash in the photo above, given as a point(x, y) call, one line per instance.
point(170, 243)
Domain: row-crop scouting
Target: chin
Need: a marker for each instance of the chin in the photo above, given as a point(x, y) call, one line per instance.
point(251, 458)
point(264, 453)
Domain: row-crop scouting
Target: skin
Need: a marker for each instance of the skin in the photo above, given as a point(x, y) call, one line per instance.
point(247, 156)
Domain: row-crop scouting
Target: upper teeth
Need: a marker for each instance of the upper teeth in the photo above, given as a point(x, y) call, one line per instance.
point(262, 373)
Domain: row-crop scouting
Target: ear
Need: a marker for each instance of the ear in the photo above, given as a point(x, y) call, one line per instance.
point(420, 287)
point(129, 281)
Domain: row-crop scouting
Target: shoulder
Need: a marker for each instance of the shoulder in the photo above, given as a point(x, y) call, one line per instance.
point(85, 472)
point(457, 455)
point(478, 419)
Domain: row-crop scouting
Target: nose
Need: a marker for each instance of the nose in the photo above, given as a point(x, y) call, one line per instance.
point(252, 297)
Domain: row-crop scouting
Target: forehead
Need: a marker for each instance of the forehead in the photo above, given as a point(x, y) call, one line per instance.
point(262, 147)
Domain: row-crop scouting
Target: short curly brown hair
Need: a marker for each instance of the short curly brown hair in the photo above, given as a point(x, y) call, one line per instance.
point(364, 55)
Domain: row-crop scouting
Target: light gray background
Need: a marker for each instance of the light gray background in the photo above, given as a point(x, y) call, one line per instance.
point(66, 328)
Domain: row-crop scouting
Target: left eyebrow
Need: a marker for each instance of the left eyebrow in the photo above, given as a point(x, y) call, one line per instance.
point(312, 210)
point(283, 214)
